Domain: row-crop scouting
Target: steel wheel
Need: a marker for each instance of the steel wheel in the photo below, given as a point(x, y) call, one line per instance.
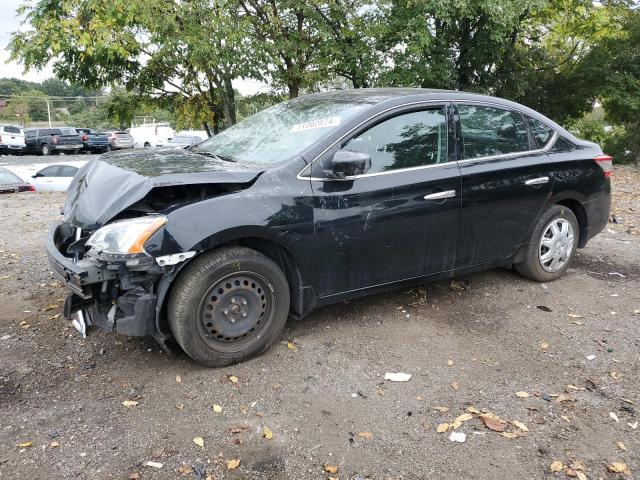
point(556, 245)
point(235, 310)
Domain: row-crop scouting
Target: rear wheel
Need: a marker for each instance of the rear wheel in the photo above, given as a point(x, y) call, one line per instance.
point(147, 145)
point(552, 245)
point(228, 306)
point(45, 149)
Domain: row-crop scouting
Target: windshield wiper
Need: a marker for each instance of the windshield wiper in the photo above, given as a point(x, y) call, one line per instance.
point(204, 153)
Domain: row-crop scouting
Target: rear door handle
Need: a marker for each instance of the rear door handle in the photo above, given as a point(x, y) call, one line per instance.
point(537, 181)
point(441, 195)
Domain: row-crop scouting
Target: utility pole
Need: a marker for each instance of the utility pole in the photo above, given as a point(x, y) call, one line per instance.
point(48, 111)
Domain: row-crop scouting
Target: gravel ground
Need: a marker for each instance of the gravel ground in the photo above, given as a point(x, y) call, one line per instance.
point(571, 345)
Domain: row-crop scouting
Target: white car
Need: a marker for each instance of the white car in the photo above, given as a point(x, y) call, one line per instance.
point(154, 135)
point(54, 178)
point(11, 140)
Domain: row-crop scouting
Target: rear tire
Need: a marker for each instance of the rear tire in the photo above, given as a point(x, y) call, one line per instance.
point(45, 149)
point(551, 246)
point(228, 305)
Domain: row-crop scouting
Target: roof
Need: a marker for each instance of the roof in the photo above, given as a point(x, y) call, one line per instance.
point(377, 95)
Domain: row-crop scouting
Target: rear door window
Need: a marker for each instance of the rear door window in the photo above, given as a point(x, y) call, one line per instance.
point(540, 132)
point(51, 171)
point(490, 131)
point(407, 140)
point(68, 171)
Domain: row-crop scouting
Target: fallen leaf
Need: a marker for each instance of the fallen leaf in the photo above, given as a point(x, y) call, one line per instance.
point(633, 425)
point(574, 315)
point(564, 397)
point(178, 379)
point(151, 464)
point(455, 386)
point(544, 346)
point(266, 433)
point(493, 423)
point(443, 427)
point(217, 408)
point(565, 418)
point(520, 425)
point(577, 465)
point(619, 467)
point(621, 446)
point(233, 379)
point(130, 403)
point(522, 395)
point(134, 476)
point(233, 463)
point(614, 416)
point(199, 441)
point(179, 406)
point(450, 362)
point(441, 409)
point(238, 429)
point(397, 376)
point(556, 466)
point(464, 418)
point(291, 346)
point(25, 444)
point(615, 375)
point(365, 434)
point(184, 469)
point(581, 476)
point(473, 410)
point(510, 434)
point(54, 445)
point(331, 468)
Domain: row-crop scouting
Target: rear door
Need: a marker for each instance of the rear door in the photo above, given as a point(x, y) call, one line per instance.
point(397, 221)
point(506, 179)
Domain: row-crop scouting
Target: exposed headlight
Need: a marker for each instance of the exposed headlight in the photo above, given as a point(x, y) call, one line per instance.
point(126, 236)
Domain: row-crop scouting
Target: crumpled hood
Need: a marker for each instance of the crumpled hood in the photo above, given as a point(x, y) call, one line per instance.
point(110, 183)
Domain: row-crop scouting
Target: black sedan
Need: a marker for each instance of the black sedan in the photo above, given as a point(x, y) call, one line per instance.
point(320, 199)
point(11, 183)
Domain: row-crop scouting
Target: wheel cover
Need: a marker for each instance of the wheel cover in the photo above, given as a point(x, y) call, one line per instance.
point(235, 311)
point(556, 245)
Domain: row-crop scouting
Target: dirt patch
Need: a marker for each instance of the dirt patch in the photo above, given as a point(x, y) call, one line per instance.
point(473, 343)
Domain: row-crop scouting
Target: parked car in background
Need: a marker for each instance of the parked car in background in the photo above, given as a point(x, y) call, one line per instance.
point(320, 199)
point(11, 183)
point(183, 141)
point(11, 140)
point(92, 141)
point(54, 178)
point(120, 140)
point(154, 135)
point(47, 141)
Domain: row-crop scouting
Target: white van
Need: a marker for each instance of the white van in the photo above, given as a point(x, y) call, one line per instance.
point(11, 139)
point(152, 135)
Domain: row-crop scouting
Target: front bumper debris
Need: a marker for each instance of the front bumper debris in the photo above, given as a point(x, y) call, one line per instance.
point(108, 295)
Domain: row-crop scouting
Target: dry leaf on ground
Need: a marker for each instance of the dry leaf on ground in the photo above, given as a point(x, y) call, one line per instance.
point(619, 467)
point(556, 466)
point(199, 441)
point(331, 468)
point(365, 434)
point(493, 423)
point(522, 394)
point(520, 425)
point(266, 433)
point(233, 463)
point(217, 408)
point(443, 427)
point(455, 386)
point(130, 403)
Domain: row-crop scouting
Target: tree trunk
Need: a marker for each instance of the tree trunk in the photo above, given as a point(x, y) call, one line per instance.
point(294, 90)
point(205, 125)
point(229, 102)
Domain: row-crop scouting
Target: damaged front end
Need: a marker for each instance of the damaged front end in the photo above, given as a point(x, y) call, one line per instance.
point(112, 279)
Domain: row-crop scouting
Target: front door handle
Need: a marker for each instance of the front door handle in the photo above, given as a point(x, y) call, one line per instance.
point(441, 195)
point(537, 181)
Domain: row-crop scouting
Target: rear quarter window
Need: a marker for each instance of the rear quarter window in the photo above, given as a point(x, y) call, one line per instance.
point(12, 130)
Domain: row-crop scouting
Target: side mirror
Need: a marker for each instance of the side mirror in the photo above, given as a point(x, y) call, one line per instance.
point(347, 163)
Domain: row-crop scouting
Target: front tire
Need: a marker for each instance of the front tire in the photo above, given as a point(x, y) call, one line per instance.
point(552, 245)
point(228, 305)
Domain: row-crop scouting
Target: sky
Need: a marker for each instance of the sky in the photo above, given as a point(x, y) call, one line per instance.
point(9, 22)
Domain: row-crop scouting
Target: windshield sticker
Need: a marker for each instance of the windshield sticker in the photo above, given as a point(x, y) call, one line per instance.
point(313, 124)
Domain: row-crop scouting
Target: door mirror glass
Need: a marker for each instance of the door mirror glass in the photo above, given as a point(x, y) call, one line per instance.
point(347, 163)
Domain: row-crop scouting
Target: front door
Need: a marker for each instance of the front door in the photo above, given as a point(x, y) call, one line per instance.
point(399, 220)
point(506, 179)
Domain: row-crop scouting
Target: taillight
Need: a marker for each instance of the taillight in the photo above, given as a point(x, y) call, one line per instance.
point(606, 163)
point(54, 139)
point(31, 188)
point(84, 138)
point(0, 138)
